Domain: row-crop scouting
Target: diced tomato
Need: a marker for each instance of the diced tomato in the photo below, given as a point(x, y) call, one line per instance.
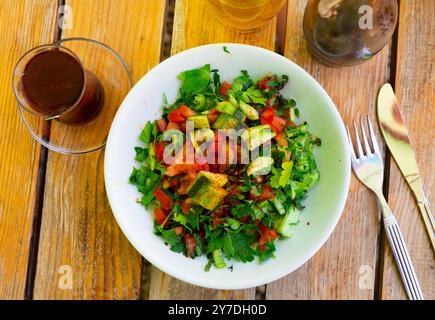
point(160, 215)
point(262, 84)
point(260, 179)
point(266, 194)
point(216, 221)
point(163, 198)
point(281, 140)
point(178, 230)
point(223, 90)
point(173, 125)
point(291, 124)
point(234, 190)
point(176, 116)
point(160, 149)
point(174, 184)
point(186, 111)
point(267, 115)
point(191, 244)
point(179, 168)
point(245, 219)
point(185, 182)
point(182, 126)
point(267, 235)
point(212, 115)
point(212, 118)
point(181, 114)
point(161, 125)
point(219, 215)
point(186, 205)
point(278, 124)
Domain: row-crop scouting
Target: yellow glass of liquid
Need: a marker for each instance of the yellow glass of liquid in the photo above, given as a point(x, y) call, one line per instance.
point(245, 15)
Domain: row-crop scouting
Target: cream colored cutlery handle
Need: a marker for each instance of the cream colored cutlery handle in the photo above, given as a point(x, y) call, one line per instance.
point(428, 220)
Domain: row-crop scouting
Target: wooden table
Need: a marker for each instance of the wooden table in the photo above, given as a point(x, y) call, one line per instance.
point(58, 237)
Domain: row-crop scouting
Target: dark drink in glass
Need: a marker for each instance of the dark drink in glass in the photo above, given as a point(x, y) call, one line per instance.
point(55, 84)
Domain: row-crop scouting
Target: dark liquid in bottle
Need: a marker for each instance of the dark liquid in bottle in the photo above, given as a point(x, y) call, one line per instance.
point(53, 82)
point(346, 32)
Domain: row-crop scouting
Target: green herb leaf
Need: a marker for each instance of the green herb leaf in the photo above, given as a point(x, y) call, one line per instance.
point(268, 251)
point(146, 133)
point(240, 246)
point(172, 240)
point(196, 80)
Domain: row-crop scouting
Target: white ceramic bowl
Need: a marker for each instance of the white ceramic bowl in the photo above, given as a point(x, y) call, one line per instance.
point(323, 205)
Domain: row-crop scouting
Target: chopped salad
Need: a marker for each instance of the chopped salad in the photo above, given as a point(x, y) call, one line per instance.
point(227, 209)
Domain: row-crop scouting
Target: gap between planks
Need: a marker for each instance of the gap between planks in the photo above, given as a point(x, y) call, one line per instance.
point(381, 242)
point(40, 188)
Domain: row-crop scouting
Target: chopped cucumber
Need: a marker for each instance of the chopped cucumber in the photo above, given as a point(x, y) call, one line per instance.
point(225, 121)
point(199, 121)
point(239, 115)
point(259, 166)
point(206, 178)
point(249, 111)
point(226, 107)
point(258, 213)
point(288, 224)
point(233, 100)
point(277, 204)
point(256, 136)
point(209, 196)
point(218, 261)
point(203, 135)
point(233, 223)
point(200, 102)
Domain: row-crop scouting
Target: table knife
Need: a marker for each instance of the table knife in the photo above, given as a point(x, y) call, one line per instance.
point(397, 138)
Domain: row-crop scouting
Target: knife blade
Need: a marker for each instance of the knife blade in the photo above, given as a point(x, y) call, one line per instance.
point(397, 138)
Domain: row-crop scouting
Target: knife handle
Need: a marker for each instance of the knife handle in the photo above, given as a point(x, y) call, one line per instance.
point(428, 219)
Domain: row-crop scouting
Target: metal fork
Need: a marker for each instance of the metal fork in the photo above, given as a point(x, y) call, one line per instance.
point(369, 169)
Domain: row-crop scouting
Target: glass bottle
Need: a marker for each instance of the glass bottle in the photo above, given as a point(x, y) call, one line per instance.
point(348, 32)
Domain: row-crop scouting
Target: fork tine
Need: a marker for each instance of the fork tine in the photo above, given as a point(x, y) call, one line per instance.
point(373, 137)
point(352, 150)
point(358, 142)
point(366, 143)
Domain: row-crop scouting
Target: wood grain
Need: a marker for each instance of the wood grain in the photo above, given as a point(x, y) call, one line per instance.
point(195, 25)
point(78, 229)
point(415, 90)
point(23, 25)
point(349, 257)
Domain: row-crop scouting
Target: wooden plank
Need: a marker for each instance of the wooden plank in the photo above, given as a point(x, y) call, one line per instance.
point(415, 89)
point(23, 25)
point(345, 267)
point(195, 25)
point(79, 236)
